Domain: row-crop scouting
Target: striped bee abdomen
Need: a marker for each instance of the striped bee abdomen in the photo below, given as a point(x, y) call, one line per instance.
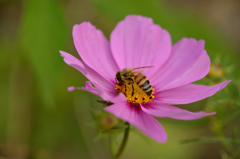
point(143, 83)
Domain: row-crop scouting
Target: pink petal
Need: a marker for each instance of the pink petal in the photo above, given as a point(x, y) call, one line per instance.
point(92, 75)
point(99, 81)
point(143, 121)
point(100, 92)
point(188, 62)
point(137, 42)
point(94, 49)
point(188, 93)
point(74, 62)
point(163, 110)
point(89, 88)
point(71, 88)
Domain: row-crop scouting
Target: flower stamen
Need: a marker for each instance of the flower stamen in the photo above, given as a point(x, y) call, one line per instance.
point(134, 93)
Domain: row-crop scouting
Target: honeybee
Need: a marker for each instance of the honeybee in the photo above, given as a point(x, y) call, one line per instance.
point(134, 84)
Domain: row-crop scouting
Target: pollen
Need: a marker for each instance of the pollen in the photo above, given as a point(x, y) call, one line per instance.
point(134, 93)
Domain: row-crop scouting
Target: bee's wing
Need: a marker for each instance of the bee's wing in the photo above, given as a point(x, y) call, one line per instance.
point(140, 69)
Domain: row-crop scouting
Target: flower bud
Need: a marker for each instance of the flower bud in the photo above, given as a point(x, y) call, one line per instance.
point(107, 121)
point(216, 70)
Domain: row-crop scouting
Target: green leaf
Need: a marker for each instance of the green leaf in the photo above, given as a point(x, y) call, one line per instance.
point(95, 113)
point(98, 137)
point(117, 126)
point(43, 34)
point(211, 140)
point(91, 124)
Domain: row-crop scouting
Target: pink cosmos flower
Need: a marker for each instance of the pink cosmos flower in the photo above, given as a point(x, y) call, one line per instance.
point(136, 42)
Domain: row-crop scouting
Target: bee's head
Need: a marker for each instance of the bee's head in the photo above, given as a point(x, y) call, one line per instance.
point(118, 77)
point(127, 72)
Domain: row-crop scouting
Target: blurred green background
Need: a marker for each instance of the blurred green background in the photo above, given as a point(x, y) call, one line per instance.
point(39, 119)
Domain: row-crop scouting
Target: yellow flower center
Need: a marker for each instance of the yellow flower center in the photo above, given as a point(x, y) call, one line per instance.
point(134, 93)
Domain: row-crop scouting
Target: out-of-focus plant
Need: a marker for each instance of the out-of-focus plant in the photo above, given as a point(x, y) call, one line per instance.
point(43, 32)
point(224, 124)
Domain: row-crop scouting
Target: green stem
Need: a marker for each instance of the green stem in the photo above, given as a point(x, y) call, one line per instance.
point(124, 141)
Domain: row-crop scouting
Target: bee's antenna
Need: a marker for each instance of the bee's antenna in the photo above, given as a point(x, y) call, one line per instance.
point(142, 67)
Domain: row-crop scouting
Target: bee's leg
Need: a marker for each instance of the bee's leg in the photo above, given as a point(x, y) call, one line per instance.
point(125, 88)
point(132, 89)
